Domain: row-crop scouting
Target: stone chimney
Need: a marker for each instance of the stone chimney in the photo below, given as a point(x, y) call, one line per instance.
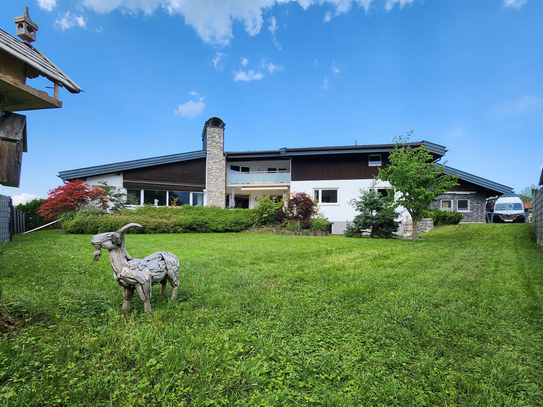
point(213, 140)
point(26, 28)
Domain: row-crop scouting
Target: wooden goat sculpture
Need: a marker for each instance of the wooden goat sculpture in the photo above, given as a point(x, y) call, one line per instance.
point(137, 274)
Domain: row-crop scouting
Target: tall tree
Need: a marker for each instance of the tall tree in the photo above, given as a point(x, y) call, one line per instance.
point(71, 197)
point(413, 173)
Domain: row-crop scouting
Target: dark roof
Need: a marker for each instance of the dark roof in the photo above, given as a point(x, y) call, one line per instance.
point(493, 187)
point(34, 58)
point(541, 178)
point(129, 165)
point(435, 149)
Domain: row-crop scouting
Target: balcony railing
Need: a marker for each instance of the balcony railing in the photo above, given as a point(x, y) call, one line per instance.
point(258, 177)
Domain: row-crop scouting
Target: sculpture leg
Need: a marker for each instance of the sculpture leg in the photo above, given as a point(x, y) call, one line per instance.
point(128, 293)
point(175, 286)
point(163, 288)
point(144, 298)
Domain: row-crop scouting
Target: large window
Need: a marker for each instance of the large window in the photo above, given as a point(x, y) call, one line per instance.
point(164, 198)
point(235, 169)
point(326, 196)
point(383, 191)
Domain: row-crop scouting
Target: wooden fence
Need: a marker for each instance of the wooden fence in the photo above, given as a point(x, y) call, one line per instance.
point(12, 220)
point(537, 214)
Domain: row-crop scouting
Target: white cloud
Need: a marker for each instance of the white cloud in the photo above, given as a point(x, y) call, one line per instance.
point(68, 21)
point(326, 83)
point(213, 19)
point(514, 3)
point(244, 61)
point(47, 5)
point(390, 3)
point(217, 60)
point(273, 25)
point(247, 76)
point(193, 93)
point(335, 69)
point(190, 109)
point(327, 16)
point(23, 198)
point(273, 68)
point(511, 108)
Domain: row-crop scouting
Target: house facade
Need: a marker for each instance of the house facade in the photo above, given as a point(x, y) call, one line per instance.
point(333, 176)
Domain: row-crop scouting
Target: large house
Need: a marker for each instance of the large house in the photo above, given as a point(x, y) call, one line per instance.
point(331, 175)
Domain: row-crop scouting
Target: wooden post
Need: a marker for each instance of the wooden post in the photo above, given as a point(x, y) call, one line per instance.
point(56, 90)
point(1, 108)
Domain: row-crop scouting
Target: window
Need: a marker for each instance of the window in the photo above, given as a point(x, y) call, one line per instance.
point(446, 205)
point(375, 160)
point(234, 169)
point(463, 205)
point(163, 198)
point(277, 169)
point(326, 196)
point(156, 198)
point(133, 196)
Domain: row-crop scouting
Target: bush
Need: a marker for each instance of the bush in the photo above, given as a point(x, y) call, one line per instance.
point(443, 218)
point(33, 218)
point(319, 224)
point(301, 208)
point(267, 210)
point(182, 219)
point(377, 216)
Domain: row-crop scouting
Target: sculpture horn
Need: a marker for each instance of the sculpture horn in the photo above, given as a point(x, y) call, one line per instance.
point(126, 227)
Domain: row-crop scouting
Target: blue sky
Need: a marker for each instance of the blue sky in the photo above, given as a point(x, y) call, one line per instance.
point(467, 74)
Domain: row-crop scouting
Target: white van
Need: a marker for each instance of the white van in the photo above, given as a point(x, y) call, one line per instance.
point(510, 210)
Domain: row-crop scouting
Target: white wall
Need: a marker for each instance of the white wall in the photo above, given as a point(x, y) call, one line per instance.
point(342, 212)
point(114, 179)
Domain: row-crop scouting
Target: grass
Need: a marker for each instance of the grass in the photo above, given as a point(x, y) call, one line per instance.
point(270, 320)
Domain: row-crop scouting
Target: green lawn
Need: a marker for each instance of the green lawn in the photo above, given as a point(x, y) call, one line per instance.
point(269, 320)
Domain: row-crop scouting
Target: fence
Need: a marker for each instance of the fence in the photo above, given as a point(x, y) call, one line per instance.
point(537, 214)
point(12, 220)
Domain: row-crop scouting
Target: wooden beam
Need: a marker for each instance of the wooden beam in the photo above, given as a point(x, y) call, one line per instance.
point(1, 108)
point(56, 90)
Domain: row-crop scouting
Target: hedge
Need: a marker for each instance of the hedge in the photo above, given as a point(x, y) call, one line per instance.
point(184, 219)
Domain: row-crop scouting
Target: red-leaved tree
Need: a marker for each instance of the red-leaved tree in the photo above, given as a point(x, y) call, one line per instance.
point(301, 208)
point(72, 197)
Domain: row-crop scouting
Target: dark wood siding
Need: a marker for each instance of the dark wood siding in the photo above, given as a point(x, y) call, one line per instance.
point(330, 167)
point(182, 176)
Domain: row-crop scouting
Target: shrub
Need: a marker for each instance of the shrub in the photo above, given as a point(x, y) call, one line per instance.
point(319, 224)
point(267, 210)
point(301, 208)
point(182, 219)
point(442, 218)
point(377, 216)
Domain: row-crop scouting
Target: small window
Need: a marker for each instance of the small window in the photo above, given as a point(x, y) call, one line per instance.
point(375, 160)
point(463, 205)
point(446, 205)
point(133, 196)
point(326, 196)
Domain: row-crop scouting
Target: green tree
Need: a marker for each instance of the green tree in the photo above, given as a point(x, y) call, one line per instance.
point(526, 193)
point(33, 219)
point(377, 215)
point(418, 179)
point(116, 197)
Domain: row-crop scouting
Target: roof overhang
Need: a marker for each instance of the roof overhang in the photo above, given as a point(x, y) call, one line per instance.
point(18, 96)
point(493, 188)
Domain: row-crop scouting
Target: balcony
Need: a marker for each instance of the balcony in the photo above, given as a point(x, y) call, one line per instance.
point(258, 177)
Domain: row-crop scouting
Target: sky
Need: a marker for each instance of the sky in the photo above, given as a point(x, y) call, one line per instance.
point(466, 74)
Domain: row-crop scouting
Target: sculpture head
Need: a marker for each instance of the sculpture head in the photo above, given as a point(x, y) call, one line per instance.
point(110, 240)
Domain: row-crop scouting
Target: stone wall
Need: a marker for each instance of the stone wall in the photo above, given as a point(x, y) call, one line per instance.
point(215, 164)
point(477, 202)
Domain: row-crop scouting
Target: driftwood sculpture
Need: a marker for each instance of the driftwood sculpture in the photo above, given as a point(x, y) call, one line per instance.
point(137, 274)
